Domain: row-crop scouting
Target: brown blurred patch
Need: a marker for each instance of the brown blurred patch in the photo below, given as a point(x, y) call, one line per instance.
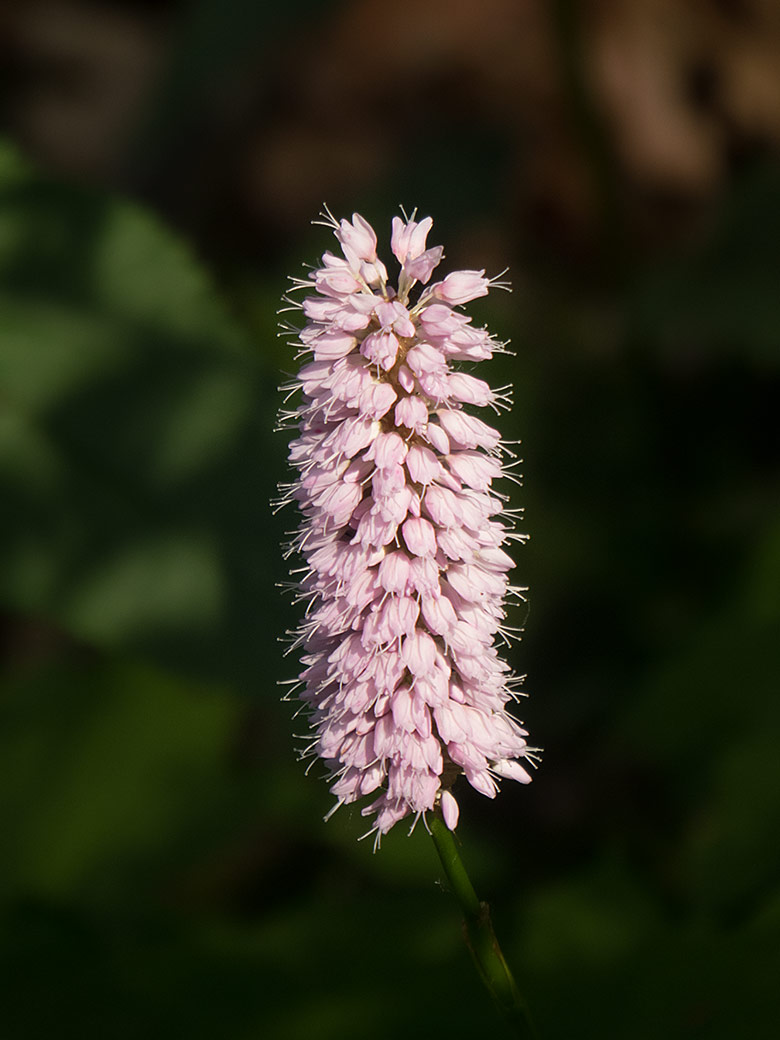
point(79, 74)
point(643, 107)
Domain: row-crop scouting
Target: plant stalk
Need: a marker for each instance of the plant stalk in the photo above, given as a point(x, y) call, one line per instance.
point(479, 935)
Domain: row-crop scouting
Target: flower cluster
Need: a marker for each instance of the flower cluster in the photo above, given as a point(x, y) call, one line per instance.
point(405, 576)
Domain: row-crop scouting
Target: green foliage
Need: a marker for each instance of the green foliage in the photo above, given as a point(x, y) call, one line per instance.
point(135, 419)
point(111, 763)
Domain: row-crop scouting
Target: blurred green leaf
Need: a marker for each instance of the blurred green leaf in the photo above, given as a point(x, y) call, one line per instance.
point(135, 439)
point(602, 956)
point(711, 718)
point(108, 763)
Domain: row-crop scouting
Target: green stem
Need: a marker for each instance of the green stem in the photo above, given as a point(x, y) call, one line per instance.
point(480, 937)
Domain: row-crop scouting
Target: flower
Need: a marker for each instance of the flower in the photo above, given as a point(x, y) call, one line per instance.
point(402, 534)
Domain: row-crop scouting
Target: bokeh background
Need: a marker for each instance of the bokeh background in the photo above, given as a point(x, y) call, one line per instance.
point(165, 868)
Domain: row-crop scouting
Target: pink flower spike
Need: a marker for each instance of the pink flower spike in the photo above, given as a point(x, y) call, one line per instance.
point(403, 536)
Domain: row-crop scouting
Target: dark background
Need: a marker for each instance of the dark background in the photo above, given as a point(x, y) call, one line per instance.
point(166, 871)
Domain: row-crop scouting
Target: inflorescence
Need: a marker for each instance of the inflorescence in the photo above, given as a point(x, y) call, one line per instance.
point(405, 577)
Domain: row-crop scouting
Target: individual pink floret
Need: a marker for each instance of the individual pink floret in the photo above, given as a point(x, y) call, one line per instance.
point(462, 286)
point(405, 577)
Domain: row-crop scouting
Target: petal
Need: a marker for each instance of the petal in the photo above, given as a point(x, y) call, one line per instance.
point(462, 286)
point(419, 536)
point(449, 809)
